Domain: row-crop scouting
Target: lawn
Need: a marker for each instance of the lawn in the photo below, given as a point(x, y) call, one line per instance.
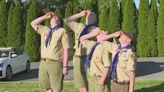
point(141, 86)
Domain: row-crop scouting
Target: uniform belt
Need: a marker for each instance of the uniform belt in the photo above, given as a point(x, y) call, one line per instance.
point(48, 59)
point(94, 75)
point(121, 82)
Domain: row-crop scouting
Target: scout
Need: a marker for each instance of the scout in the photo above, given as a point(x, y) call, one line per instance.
point(81, 29)
point(123, 65)
point(97, 65)
point(54, 52)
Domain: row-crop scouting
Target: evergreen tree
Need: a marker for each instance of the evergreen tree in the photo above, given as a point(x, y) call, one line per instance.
point(104, 15)
point(9, 24)
point(69, 12)
point(32, 42)
point(122, 8)
point(129, 17)
point(3, 25)
point(152, 44)
point(15, 36)
point(59, 12)
point(142, 39)
point(113, 17)
point(160, 29)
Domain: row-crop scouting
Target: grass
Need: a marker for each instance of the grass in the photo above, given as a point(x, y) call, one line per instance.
point(140, 86)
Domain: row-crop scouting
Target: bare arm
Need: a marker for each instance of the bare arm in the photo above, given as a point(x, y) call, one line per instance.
point(132, 81)
point(35, 23)
point(92, 34)
point(65, 61)
point(75, 16)
point(106, 37)
point(104, 76)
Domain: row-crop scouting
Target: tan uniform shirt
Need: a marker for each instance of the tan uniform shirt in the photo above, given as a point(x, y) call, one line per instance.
point(77, 29)
point(126, 61)
point(55, 46)
point(100, 58)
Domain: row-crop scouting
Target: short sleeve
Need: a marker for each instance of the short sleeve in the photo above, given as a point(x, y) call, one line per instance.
point(65, 40)
point(110, 46)
point(41, 28)
point(106, 57)
point(88, 44)
point(74, 26)
point(131, 64)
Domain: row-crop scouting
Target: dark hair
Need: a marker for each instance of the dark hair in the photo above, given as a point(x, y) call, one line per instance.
point(60, 21)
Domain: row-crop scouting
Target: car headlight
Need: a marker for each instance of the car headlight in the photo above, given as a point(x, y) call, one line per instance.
point(1, 64)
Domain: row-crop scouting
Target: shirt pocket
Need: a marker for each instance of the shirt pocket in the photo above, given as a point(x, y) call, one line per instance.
point(123, 60)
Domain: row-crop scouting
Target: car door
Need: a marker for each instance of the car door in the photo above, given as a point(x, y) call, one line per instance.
point(22, 60)
point(14, 61)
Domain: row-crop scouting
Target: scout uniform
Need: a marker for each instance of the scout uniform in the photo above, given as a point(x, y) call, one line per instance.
point(50, 70)
point(79, 56)
point(126, 63)
point(100, 59)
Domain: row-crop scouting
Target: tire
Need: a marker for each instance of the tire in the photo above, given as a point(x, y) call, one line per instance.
point(27, 67)
point(8, 74)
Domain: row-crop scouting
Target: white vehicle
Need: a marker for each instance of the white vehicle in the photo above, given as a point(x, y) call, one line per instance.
point(12, 61)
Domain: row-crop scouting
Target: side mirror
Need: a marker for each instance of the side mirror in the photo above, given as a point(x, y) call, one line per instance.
point(14, 55)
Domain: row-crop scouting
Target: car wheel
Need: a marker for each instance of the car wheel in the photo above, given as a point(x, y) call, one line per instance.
point(27, 66)
point(8, 73)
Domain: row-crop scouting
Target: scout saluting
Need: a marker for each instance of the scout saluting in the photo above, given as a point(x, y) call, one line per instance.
point(54, 52)
point(123, 65)
point(97, 65)
point(81, 29)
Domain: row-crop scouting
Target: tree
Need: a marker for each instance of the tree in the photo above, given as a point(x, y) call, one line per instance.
point(122, 8)
point(32, 42)
point(160, 29)
point(104, 15)
point(114, 22)
point(129, 23)
point(15, 35)
point(9, 23)
point(142, 39)
point(69, 12)
point(3, 25)
point(59, 12)
point(152, 44)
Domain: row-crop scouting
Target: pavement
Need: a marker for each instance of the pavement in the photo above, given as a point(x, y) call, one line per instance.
point(147, 69)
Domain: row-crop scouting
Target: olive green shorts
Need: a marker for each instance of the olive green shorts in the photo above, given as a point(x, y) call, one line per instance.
point(94, 87)
point(79, 77)
point(50, 75)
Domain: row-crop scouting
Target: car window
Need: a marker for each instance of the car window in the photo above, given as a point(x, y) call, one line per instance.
point(4, 53)
point(14, 51)
point(19, 51)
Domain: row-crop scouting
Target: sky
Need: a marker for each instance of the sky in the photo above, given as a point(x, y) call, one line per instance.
point(137, 3)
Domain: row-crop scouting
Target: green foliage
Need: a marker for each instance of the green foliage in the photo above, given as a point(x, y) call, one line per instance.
point(15, 35)
point(59, 12)
point(152, 43)
point(142, 40)
point(129, 17)
point(32, 42)
point(9, 24)
point(3, 24)
point(160, 29)
point(104, 15)
point(114, 22)
point(69, 12)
